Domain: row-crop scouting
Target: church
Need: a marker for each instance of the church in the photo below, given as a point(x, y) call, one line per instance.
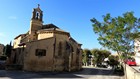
point(46, 47)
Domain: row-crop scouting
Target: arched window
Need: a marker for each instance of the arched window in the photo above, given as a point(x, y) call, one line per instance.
point(37, 15)
point(69, 47)
point(60, 49)
point(77, 51)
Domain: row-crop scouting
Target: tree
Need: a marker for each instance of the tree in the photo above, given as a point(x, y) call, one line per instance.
point(117, 33)
point(113, 61)
point(105, 53)
point(7, 50)
point(86, 56)
point(99, 56)
point(96, 56)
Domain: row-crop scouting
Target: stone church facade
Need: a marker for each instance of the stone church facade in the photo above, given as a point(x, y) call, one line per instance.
point(46, 47)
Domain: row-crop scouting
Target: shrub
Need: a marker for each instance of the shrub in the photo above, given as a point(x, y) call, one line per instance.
point(3, 57)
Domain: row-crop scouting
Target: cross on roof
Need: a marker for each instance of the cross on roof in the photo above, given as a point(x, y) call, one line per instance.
point(38, 5)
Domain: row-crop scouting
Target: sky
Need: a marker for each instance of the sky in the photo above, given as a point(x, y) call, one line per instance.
point(70, 15)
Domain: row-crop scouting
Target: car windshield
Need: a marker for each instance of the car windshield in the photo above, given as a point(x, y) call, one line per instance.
point(131, 59)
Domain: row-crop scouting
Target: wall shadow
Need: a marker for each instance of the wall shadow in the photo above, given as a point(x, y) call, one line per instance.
point(76, 74)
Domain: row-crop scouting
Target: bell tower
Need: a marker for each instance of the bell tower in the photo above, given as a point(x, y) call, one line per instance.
point(36, 20)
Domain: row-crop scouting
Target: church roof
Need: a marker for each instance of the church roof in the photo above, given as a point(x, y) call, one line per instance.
point(19, 36)
point(51, 27)
point(47, 26)
point(71, 39)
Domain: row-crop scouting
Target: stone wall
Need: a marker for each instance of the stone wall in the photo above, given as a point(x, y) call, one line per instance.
point(45, 35)
point(35, 25)
point(39, 63)
point(132, 73)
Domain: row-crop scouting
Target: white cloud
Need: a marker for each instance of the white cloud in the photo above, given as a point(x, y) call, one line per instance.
point(12, 17)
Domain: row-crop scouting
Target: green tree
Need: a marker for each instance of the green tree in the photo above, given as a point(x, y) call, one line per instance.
point(96, 56)
point(99, 56)
point(7, 50)
point(117, 33)
point(105, 53)
point(84, 59)
point(86, 56)
point(113, 61)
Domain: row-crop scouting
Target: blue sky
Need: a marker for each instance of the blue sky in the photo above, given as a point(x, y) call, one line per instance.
point(70, 15)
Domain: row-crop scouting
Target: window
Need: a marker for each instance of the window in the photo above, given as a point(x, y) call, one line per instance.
point(69, 47)
point(40, 52)
point(60, 49)
point(77, 51)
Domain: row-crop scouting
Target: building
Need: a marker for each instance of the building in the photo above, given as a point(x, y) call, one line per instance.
point(1, 49)
point(137, 50)
point(46, 47)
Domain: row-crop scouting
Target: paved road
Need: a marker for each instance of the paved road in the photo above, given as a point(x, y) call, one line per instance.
point(86, 73)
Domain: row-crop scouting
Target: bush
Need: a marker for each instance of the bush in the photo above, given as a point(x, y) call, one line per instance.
point(3, 57)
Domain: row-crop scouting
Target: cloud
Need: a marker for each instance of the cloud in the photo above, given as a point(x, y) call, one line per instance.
point(12, 17)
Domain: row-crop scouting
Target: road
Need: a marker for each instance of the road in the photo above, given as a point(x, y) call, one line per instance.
point(86, 73)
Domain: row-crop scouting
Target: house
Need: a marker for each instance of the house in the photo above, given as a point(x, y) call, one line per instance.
point(46, 47)
point(137, 50)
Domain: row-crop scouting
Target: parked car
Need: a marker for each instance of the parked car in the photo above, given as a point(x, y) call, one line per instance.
point(131, 62)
